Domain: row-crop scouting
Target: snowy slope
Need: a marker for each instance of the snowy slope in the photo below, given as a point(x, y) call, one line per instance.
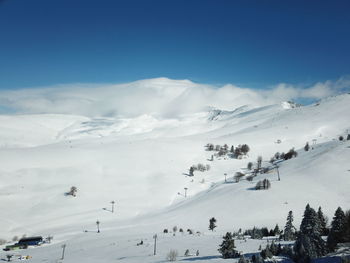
point(141, 163)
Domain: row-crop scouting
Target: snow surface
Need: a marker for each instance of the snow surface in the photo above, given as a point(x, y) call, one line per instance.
point(142, 163)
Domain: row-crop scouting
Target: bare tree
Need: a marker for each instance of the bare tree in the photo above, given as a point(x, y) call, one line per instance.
point(172, 255)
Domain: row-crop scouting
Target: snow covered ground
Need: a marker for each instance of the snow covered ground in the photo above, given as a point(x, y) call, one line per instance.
point(141, 163)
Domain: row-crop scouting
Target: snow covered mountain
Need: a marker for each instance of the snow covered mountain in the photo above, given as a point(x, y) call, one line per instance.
point(141, 162)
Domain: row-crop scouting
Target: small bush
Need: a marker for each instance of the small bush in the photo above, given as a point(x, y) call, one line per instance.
point(263, 185)
point(250, 178)
point(175, 229)
point(73, 191)
point(187, 253)
point(249, 165)
point(238, 176)
point(165, 231)
point(172, 255)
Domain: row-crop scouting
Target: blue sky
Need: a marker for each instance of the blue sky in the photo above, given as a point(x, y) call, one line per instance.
point(248, 43)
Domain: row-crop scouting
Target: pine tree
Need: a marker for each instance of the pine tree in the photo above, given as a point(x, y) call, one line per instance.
point(348, 137)
point(212, 224)
point(273, 248)
point(242, 259)
point(337, 231)
point(310, 223)
point(266, 253)
point(276, 230)
point(257, 259)
point(323, 222)
point(306, 147)
point(227, 247)
point(289, 229)
point(249, 165)
point(245, 148)
point(347, 226)
point(309, 243)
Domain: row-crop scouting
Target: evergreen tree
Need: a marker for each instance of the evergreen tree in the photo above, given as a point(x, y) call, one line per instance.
point(266, 253)
point(337, 231)
point(274, 248)
point(310, 223)
point(212, 224)
point(227, 247)
point(289, 229)
point(257, 259)
point(276, 230)
point(191, 171)
point(347, 226)
point(249, 165)
point(309, 244)
point(348, 137)
point(245, 148)
point(237, 152)
point(323, 222)
point(242, 259)
point(306, 147)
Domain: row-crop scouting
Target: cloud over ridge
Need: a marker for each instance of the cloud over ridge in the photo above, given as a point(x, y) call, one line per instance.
point(161, 97)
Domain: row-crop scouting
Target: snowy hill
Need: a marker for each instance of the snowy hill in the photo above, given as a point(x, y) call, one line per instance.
point(141, 162)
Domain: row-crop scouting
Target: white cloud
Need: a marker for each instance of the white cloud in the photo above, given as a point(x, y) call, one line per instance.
point(162, 97)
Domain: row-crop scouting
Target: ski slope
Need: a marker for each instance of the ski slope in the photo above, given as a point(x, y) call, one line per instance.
point(141, 163)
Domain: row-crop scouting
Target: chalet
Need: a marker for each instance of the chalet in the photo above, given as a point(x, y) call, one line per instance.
point(31, 241)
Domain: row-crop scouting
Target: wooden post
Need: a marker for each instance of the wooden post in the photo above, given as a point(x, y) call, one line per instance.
point(185, 191)
point(278, 173)
point(155, 244)
point(63, 250)
point(112, 206)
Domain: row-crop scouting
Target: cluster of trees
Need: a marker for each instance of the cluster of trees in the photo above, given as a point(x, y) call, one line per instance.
point(234, 152)
point(187, 253)
point(273, 250)
point(175, 229)
point(258, 233)
point(309, 242)
point(73, 191)
point(199, 167)
point(284, 156)
point(341, 138)
point(221, 149)
point(241, 150)
point(263, 185)
point(340, 229)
